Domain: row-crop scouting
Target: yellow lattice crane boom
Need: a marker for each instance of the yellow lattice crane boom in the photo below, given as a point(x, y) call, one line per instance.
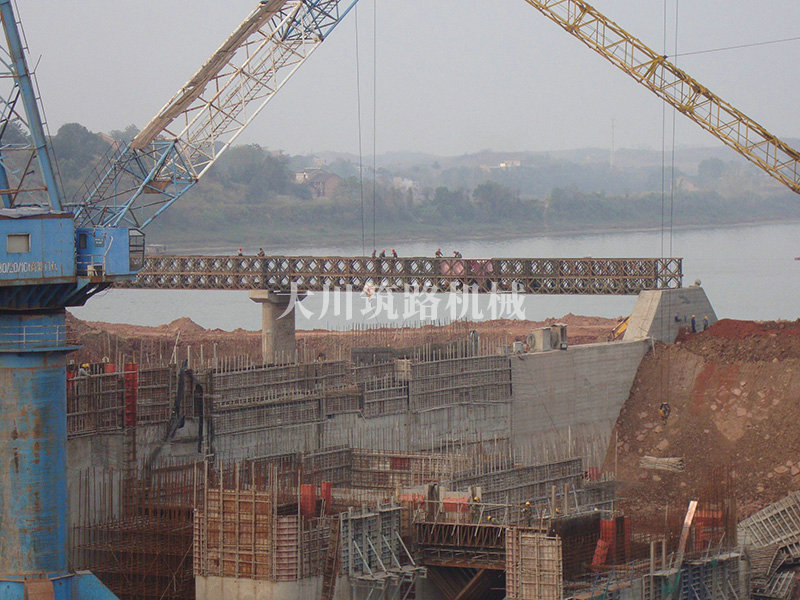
point(676, 87)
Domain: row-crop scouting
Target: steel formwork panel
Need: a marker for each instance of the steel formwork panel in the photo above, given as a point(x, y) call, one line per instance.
point(369, 539)
point(778, 523)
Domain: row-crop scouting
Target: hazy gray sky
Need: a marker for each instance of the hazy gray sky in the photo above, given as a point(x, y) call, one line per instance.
point(453, 76)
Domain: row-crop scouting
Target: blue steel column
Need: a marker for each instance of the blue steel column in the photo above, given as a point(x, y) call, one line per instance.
point(33, 461)
point(33, 469)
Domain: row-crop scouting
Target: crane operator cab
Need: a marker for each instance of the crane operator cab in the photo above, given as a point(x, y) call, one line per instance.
point(45, 261)
point(108, 251)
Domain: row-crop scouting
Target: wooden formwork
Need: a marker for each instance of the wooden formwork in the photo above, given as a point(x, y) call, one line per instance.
point(533, 565)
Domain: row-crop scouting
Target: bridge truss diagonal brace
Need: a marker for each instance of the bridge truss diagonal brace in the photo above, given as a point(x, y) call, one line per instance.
point(676, 87)
point(579, 276)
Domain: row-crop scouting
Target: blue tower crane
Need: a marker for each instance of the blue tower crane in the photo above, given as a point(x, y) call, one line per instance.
point(45, 266)
point(55, 254)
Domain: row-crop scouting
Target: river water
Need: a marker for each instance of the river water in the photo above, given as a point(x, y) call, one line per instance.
point(748, 272)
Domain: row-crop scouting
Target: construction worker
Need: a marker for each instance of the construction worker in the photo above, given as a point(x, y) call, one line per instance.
point(526, 513)
point(705, 322)
point(439, 253)
point(239, 252)
point(383, 253)
point(374, 252)
point(261, 253)
point(457, 254)
point(664, 410)
point(394, 253)
point(694, 324)
point(83, 370)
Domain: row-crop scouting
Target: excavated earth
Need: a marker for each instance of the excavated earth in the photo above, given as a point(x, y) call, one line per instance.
point(734, 397)
point(155, 345)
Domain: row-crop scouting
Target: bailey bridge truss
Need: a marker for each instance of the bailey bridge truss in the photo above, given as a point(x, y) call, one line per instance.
point(582, 276)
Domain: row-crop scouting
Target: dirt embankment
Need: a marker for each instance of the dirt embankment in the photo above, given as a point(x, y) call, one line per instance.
point(121, 342)
point(734, 398)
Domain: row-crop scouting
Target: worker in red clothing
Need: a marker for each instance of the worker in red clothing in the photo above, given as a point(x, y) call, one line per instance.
point(439, 253)
point(394, 253)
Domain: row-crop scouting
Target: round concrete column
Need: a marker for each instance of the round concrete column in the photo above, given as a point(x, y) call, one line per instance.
point(277, 332)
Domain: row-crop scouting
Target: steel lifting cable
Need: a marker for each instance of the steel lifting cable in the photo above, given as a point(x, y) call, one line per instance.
point(664, 314)
point(672, 194)
point(360, 150)
point(736, 47)
point(674, 120)
point(374, 114)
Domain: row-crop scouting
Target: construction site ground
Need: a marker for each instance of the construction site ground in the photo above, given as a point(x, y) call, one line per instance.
point(733, 393)
point(119, 342)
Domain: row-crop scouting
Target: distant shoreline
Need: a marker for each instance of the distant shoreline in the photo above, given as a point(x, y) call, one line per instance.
point(231, 248)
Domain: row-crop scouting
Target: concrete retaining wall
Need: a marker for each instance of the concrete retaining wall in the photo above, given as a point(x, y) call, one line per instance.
point(573, 394)
point(216, 588)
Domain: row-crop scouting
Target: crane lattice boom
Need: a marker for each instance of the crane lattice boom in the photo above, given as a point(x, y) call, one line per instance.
point(141, 179)
point(673, 85)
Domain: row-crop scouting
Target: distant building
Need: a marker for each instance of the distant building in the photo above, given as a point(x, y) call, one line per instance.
point(322, 183)
point(411, 187)
point(510, 164)
point(503, 166)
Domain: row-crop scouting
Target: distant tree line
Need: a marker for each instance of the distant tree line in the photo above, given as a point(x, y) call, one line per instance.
point(251, 196)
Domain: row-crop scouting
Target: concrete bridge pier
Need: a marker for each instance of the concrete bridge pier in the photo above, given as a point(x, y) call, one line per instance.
point(277, 332)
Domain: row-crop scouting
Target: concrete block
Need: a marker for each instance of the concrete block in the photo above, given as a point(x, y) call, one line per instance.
point(660, 314)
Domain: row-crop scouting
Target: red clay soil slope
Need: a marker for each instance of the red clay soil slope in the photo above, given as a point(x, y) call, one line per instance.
point(734, 395)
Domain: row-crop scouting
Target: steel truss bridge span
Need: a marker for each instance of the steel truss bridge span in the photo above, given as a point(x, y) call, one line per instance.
point(580, 276)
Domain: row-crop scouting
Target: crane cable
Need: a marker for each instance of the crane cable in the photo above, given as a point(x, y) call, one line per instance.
point(374, 127)
point(664, 381)
point(736, 47)
point(374, 114)
point(360, 150)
